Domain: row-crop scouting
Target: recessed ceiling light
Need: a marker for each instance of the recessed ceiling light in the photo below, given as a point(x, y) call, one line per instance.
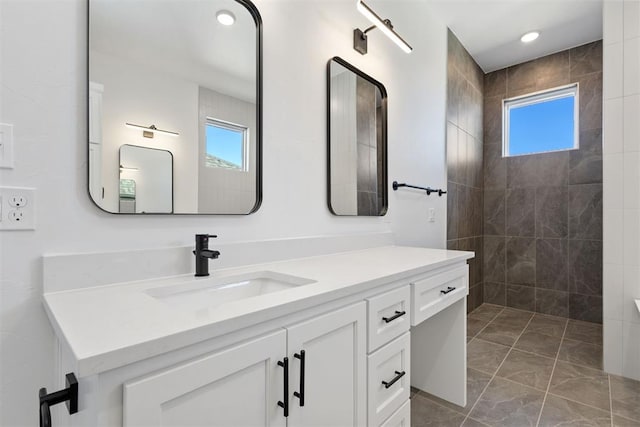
point(529, 37)
point(225, 17)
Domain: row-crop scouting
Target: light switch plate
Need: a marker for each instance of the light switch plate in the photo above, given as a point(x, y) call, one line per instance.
point(17, 208)
point(6, 146)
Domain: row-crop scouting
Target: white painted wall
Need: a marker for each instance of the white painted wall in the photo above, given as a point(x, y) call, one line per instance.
point(144, 95)
point(621, 181)
point(43, 93)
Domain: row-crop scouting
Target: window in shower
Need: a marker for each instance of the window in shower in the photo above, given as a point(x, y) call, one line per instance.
point(541, 122)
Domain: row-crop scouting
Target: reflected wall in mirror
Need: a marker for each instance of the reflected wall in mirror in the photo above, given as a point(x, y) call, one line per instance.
point(146, 180)
point(172, 66)
point(357, 146)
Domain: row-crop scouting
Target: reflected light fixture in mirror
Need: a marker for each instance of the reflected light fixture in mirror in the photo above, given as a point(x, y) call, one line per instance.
point(360, 37)
point(148, 131)
point(225, 17)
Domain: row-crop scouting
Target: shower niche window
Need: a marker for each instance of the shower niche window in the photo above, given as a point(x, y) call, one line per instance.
point(541, 122)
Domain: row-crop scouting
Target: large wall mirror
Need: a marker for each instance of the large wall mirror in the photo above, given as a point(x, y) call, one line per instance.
point(179, 82)
point(357, 146)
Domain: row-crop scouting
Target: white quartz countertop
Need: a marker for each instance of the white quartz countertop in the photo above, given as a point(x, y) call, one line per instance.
point(106, 327)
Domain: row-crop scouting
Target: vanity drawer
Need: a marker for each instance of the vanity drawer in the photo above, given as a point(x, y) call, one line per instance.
point(388, 379)
point(400, 418)
point(434, 293)
point(389, 316)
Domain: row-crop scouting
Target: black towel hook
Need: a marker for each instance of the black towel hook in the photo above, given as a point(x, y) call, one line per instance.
point(69, 395)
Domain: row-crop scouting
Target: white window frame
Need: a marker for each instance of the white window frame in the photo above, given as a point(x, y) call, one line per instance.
point(244, 130)
point(567, 91)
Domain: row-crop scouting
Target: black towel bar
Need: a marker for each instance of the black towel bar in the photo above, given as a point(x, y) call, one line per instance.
point(429, 190)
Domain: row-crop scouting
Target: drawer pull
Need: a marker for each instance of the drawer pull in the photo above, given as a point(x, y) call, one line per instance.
point(285, 405)
point(449, 289)
point(300, 395)
point(395, 316)
point(388, 384)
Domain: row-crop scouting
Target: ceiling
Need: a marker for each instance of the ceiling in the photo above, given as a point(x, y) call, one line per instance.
point(181, 37)
point(490, 30)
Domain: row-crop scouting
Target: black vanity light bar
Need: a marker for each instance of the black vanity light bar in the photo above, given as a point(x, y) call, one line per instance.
point(151, 129)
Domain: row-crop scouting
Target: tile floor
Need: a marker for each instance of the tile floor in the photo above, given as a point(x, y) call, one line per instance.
point(528, 369)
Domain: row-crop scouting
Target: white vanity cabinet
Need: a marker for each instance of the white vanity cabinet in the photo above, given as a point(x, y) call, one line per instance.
point(335, 356)
point(237, 386)
point(243, 384)
point(353, 349)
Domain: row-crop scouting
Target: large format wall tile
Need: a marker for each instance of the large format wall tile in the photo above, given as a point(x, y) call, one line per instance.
point(495, 293)
point(494, 259)
point(585, 267)
point(586, 59)
point(521, 297)
point(552, 264)
point(555, 303)
point(522, 171)
point(495, 167)
point(552, 70)
point(585, 164)
point(465, 161)
point(494, 212)
point(520, 213)
point(585, 307)
point(452, 211)
point(521, 261)
point(552, 169)
point(495, 83)
point(590, 101)
point(585, 211)
point(551, 211)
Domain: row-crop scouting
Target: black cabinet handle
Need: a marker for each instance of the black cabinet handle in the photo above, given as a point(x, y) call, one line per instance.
point(395, 316)
point(300, 395)
point(449, 289)
point(69, 395)
point(388, 384)
point(285, 404)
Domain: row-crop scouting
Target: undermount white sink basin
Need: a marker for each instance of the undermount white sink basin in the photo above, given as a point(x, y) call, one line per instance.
point(214, 291)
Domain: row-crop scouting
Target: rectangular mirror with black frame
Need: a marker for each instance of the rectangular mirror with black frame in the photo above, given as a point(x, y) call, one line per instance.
point(182, 77)
point(357, 141)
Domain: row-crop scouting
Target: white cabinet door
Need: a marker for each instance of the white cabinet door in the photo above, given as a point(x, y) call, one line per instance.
point(335, 369)
point(239, 386)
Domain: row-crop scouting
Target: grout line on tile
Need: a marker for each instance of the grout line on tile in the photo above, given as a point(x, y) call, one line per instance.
point(495, 373)
point(544, 400)
point(575, 401)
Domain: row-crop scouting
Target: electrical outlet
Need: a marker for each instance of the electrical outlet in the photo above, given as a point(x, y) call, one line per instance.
point(17, 208)
point(16, 215)
point(17, 201)
point(432, 215)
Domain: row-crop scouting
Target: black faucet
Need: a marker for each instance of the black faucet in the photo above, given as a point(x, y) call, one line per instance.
point(203, 254)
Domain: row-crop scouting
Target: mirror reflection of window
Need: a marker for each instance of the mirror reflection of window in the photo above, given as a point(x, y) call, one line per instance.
point(226, 145)
point(127, 196)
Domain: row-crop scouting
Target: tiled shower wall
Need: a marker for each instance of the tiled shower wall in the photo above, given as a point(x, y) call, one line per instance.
point(464, 161)
point(543, 212)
